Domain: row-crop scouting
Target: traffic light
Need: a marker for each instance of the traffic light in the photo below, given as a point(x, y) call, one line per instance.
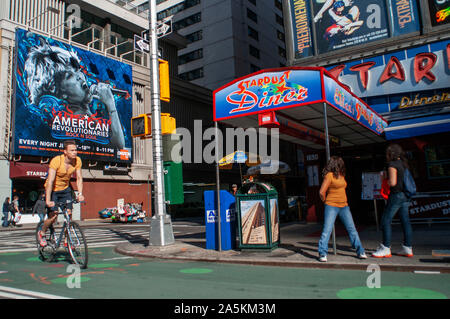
point(164, 87)
point(141, 125)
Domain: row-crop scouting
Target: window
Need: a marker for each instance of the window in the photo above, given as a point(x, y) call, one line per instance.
point(252, 33)
point(282, 52)
point(177, 8)
point(191, 56)
point(251, 15)
point(252, 1)
point(192, 75)
point(280, 36)
point(193, 19)
point(254, 68)
point(279, 20)
point(196, 36)
point(438, 161)
point(278, 4)
point(254, 51)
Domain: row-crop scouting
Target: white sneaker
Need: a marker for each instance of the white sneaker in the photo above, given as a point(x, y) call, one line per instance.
point(406, 251)
point(323, 259)
point(362, 256)
point(382, 252)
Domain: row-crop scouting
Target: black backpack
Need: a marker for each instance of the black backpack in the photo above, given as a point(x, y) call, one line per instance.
point(11, 208)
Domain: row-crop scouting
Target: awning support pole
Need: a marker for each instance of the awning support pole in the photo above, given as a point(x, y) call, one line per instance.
point(218, 187)
point(327, 150)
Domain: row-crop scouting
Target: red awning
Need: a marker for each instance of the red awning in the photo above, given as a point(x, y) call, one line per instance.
point(28, 170)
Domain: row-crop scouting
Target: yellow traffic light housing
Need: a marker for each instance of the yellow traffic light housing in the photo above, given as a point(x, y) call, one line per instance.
point(164, 85)
point(141, 125)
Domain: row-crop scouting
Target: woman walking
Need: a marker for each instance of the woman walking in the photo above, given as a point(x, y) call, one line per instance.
point(332, 192)
point(397, 202)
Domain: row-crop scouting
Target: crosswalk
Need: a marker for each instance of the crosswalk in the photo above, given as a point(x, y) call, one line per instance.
point(24, 240)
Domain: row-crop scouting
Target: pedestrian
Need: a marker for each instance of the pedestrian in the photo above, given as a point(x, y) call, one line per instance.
point(40, 208)
point(6, 212)
point(332, 193)
point(234, 189)
point(14, 209)
point(397, 202)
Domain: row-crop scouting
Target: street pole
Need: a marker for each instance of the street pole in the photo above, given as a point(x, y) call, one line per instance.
point(218, 221)
point(327, 150)
point(161, 232)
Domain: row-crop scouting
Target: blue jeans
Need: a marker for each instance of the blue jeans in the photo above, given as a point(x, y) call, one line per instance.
point(397, 202)
point(6, 219)
point(345, 215)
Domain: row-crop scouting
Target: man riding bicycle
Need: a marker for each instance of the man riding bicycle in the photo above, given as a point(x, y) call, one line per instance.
point(57, 185)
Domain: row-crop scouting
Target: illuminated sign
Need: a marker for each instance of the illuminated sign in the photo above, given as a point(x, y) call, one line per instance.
point(267, 91)
point(411, 70)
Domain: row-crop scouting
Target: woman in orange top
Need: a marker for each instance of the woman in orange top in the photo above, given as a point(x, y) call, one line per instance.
point(332, 192)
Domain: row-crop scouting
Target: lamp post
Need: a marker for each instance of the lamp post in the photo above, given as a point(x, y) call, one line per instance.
point(48, 9)
point(161, 232)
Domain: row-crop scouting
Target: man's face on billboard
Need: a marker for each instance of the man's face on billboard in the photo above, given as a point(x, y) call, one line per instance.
point(74, 87)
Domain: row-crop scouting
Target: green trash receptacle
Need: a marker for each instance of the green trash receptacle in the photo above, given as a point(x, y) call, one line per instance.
point(258, 216)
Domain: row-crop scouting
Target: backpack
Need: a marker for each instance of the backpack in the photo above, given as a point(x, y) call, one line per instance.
point(11, 207)
point(409, 186)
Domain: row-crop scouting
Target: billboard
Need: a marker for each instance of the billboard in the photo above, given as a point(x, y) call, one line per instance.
point(63, 92)
point(301, 25)
point(439, 12)
point(344, 23)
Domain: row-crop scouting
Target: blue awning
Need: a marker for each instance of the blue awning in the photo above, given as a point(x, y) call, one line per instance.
point(418, 126)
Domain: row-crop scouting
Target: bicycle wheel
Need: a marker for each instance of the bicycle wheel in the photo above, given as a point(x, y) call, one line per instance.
point(77, 245)
point(47, 253)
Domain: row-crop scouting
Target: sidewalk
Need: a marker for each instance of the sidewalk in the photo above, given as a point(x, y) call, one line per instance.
point(299, 249)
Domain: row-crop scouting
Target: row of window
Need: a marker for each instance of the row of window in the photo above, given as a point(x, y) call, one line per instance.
point(278, 4)
point(254, 17)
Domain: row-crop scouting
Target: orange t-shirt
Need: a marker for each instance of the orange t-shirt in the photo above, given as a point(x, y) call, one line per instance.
point(62, 177)
point(336, 195)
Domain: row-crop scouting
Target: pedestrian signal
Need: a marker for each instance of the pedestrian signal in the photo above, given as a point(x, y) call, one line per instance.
point(164, 85)
point(141, 126)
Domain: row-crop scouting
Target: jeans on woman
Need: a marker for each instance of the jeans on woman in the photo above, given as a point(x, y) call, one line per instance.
point(345, 215)
point(5, 219)
point(397, 202)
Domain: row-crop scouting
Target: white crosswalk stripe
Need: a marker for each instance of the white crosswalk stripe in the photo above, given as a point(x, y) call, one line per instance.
point(24, 240)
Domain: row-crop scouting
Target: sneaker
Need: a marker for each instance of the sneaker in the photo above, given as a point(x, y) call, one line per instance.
point(362, 256)
point(382, 252)
point(323, 259)
point(42, 240)
point(406, 251)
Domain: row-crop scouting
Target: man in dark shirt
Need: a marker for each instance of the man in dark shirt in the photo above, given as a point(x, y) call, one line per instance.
point(40, 208)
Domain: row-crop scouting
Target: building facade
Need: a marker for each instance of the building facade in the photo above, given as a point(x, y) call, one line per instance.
point(394, 55)
point(101, 35)
point(227, 39)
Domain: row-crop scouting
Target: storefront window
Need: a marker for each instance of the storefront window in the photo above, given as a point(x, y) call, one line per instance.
point(438, 161)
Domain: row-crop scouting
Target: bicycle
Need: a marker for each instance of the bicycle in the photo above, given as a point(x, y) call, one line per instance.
point(73, 236)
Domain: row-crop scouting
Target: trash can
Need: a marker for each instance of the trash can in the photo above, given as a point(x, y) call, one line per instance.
point(258, 216)
point(227, 220)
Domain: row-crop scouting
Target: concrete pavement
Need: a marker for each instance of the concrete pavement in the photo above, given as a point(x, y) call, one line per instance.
point(298, 248)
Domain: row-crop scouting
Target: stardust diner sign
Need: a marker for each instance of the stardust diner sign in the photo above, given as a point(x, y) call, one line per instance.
point(270, 90)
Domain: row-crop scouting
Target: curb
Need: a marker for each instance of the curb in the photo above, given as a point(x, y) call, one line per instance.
point(297, 264)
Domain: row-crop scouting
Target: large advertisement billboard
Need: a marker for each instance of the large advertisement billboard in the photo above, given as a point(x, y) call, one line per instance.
point(439, 12)
point(344, 23)
point(301, 25)
point(63, 92)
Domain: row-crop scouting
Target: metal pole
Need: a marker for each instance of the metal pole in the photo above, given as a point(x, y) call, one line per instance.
point(327, 149)
point(161, 232)
point(218, 187)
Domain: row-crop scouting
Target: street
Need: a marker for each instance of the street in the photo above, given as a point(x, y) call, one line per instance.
point(114, 276)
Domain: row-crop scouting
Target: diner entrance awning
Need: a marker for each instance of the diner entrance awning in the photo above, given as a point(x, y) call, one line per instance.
point(302, 103)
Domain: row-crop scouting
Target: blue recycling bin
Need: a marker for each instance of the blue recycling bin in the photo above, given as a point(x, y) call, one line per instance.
point(227, 219)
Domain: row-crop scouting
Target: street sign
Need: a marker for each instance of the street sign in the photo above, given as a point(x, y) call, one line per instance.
point(163, 28)
point(141, 44)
